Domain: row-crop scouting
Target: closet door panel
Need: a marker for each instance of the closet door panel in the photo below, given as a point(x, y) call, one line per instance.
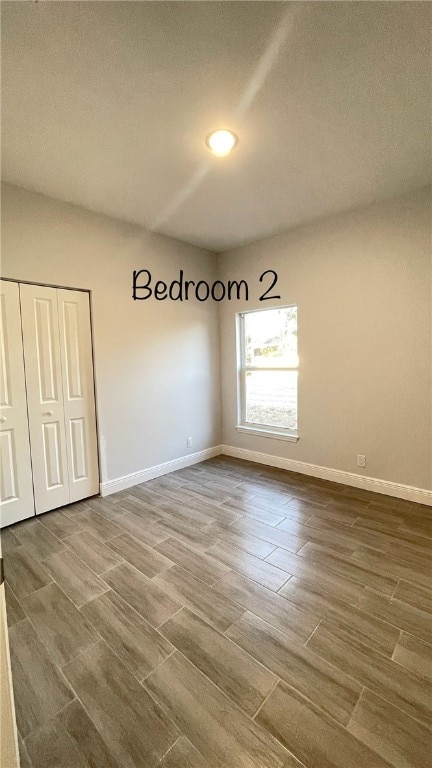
point(40, 324)
point(16, 488)
point(78, 393)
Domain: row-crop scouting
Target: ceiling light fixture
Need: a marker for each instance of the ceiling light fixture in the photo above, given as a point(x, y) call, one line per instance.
point(221, 142)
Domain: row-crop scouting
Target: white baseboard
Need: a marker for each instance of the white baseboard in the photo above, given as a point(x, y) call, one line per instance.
point(127, 481)
point(408, 492)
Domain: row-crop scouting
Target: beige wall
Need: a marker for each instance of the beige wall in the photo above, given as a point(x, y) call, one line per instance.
point(362, 282)
point(157, 362)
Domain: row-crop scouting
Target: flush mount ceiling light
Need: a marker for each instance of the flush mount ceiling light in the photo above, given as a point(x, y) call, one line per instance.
point(221, 142)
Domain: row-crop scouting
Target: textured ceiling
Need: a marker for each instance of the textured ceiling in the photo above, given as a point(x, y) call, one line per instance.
point(107, 105)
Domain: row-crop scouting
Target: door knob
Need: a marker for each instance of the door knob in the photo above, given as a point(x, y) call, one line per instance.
point(49, 413)
point(3, 419)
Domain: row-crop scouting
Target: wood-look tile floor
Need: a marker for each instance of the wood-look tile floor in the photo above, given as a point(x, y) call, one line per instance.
point(227, 614)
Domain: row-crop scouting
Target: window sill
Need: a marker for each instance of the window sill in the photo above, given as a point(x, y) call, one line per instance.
point(291, 438)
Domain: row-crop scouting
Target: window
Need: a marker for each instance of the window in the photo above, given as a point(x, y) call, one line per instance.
point(268, 371)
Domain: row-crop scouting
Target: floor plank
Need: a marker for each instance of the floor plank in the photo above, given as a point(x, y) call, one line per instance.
point(183, 755)
point(146, 513)
point(75, 509)
point(186, 589)
point(146, 597)
point(395, 736)
point(24, 574)
point(145, 494)
point(60, 524)
point(219, 730)
point(233, 670)
point(277, 536)
point(271, 607)
point(14, 612)
point(106, 508)
point(406, 691)
point(38, 541)
point(346, 568)
point(205, 568)
point(253, 567)
point(8, 540)
point(59, 624)
point(196, 538)
point(102, 528)
point(242, 540)
point(415, 595)
point(261, 512)
point(49, 746)
point(333, 690)
point(78, 582)
point(402, 615)
point(392, 566)
point(312, 736)
point(40, 689)
point(134, 640)
point(221, 486)
point(351, 621)
point(338, 585)
point(146, 531)
point(414, 655)
point(92, 552)
point(318, 527)
point(117, 704)
point(142, 557)
point(85, 737)
point(198, 511)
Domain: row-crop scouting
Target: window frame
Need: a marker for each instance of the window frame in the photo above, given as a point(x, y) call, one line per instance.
point(263, 430)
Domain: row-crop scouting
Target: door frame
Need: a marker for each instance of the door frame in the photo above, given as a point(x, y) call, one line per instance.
point(8, 726)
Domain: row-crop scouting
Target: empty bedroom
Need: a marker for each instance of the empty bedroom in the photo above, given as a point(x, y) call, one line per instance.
point(216, 384)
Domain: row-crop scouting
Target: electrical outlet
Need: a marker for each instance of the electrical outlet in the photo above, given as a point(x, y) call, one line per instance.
point(361, 460)
point(189, 442)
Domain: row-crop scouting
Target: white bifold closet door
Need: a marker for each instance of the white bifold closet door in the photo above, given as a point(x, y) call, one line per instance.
point(78, 393)
point(60, 395)
point(16, 488)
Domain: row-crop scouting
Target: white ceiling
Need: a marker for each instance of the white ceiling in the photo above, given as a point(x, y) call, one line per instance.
point(107, 105)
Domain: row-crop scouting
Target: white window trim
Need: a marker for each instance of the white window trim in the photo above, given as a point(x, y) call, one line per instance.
point(251, 428)
point(255, 429)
